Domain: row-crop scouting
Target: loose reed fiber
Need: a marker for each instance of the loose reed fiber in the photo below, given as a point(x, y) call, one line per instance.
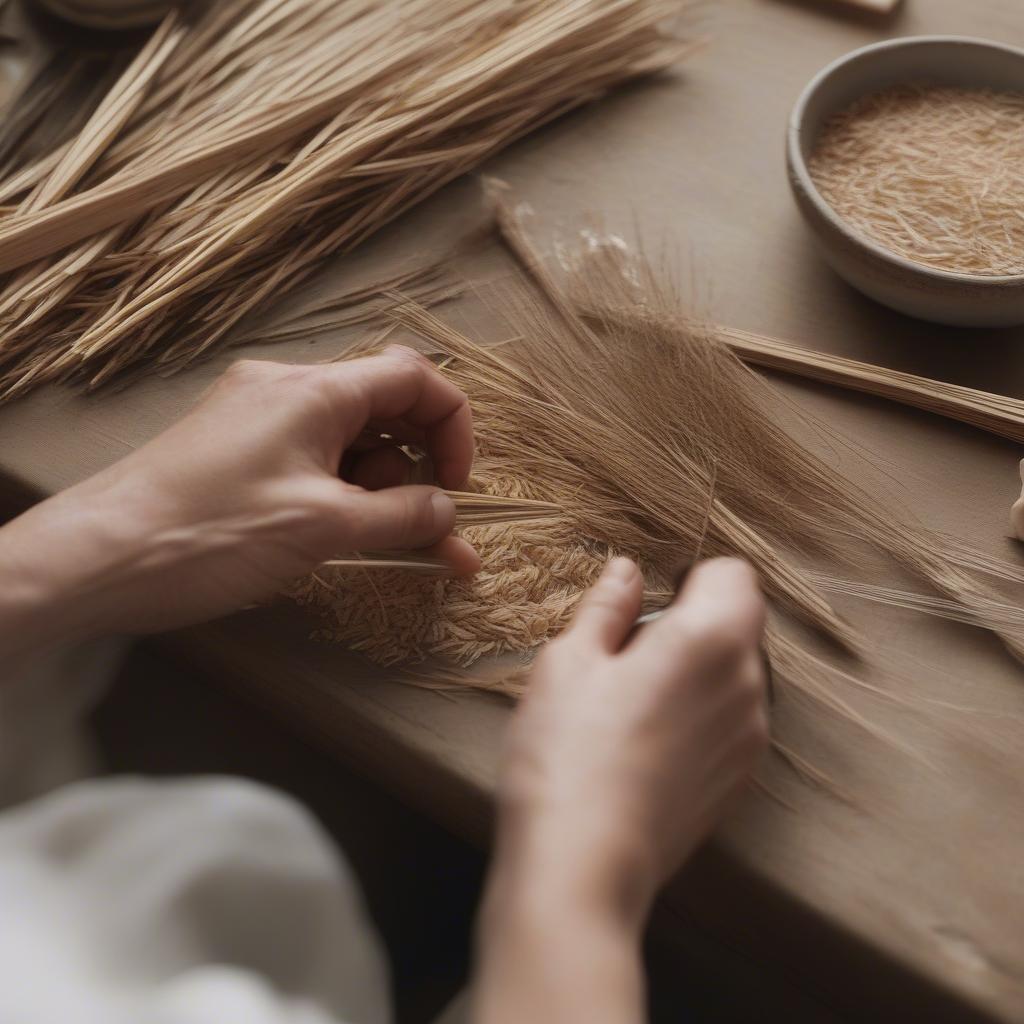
point(264, 136)
point(432, 283)
point(792, 496)
point(428, 285)
point(653, 440)
point(933, 173)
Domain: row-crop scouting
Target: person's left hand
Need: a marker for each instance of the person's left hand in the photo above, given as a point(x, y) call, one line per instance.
point(274, 472)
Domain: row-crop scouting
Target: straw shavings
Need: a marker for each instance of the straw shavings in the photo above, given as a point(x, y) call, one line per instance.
point(932, 173)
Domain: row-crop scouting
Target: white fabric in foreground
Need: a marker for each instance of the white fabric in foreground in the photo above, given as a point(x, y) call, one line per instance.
point(207, 901)
point(130, 901)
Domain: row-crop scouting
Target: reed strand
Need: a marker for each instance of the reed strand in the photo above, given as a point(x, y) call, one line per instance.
point(244, 146)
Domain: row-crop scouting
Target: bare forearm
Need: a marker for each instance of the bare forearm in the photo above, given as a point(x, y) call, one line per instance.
point(31, 608)
point(559, 938)
point(624, 753)
point(57, 565)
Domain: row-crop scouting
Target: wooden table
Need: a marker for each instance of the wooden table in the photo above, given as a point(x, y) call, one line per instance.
point(908, 907)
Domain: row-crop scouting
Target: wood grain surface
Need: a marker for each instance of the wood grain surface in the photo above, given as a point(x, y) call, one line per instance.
point(906, 905)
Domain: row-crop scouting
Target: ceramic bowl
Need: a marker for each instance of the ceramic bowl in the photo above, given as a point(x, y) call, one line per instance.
point(937, 295)
point(109, 14)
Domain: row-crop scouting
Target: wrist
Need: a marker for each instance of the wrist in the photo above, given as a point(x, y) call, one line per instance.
point(577, 864)
point(59, 565)
point(559, 935)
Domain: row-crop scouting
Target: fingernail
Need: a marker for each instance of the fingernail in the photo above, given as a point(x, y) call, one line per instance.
point(619, 570)
point(444, 512)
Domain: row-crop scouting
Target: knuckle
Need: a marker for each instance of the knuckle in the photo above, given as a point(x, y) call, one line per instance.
point(415, 518)
point(725, 634)
point(724, 637)
point(404, 355)
point(244, 369)
point(322, 500)
point(317, 512)
point(735, 576)
point(741, 575)
point(741, 569)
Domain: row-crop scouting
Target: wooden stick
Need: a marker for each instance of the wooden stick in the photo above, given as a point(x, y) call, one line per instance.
point(997, 414)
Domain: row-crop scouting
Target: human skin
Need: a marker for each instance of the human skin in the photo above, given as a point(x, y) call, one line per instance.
point(623, 756)
point(238, 499)
point(625, 753)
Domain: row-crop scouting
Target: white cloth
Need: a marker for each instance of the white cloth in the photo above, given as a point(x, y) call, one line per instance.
point(131, 901)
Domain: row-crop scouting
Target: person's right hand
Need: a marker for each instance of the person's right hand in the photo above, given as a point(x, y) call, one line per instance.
point(627, 750)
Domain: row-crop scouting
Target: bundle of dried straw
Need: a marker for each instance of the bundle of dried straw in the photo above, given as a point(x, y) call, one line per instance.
point(241, 148)
point(650, 438)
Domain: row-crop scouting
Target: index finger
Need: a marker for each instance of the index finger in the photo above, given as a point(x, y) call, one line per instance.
point(402, 384)
point(719, 613)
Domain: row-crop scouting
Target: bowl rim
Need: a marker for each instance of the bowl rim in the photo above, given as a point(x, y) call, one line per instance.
point(107, 20)
point(798, 166)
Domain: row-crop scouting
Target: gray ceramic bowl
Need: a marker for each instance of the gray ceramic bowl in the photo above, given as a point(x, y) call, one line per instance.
point(937, 295)
point(109, 14)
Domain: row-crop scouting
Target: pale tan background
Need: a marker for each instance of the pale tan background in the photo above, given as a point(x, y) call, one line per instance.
point(910, 907)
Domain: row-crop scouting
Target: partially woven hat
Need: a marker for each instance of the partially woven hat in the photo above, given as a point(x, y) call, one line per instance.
point(109, 14)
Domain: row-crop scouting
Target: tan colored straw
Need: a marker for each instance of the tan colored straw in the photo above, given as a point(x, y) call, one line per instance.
point(247, 144)
point(997, 414)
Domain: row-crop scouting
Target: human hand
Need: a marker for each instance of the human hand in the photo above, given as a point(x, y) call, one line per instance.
point(624, 755)
point(267, 477)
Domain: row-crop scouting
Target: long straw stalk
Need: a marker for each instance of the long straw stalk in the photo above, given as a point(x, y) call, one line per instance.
point(241, 149)
point(998, 414)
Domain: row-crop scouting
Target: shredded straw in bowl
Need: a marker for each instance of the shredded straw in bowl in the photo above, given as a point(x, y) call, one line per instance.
point(932, 173)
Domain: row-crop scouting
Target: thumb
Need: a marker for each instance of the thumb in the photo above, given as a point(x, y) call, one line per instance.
point(396, 518)
point(609, 609)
